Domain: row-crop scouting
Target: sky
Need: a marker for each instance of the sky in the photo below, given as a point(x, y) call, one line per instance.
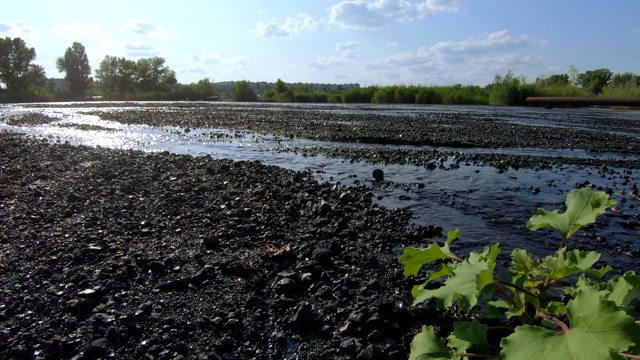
point(369, 42)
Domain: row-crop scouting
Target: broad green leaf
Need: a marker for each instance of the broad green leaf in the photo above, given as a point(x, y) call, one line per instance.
point(597, 330)
point(523, 263)
point(445, 270)
point(563, 263)
point(426, 345)
point(524, 269)
point(624, 288)
point(583, 206)
point(453, 235)
point(413, 258)
point(516, 309)
point(467, 281)
point(469, 336)
point(490, 311)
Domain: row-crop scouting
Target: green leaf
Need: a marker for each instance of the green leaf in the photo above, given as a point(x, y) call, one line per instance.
point(524, 269)
point(583, 206)
point(467, 281)
point(597, 330)
point(556, 308)
point(413, 259)
point(469, 336)
point(624, 288)
point(445, 270)
point(426, 345)
point(516, 309)
point(563, 263)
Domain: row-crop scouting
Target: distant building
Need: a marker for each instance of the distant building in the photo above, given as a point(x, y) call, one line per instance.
point(58, 85)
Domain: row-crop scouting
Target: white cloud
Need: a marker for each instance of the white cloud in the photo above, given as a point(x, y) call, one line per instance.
point(391, 44)
point(510, 60)
point(290, 29)
point(635, 31)
point(141, 50)
point(493, 42)
point(224, 60)
point(346, 50)
point(17, 29)
point(362, 14)
point(325, 62)
point(143, 27)
point(444, 5)
point(347, 45)
point(492, 51)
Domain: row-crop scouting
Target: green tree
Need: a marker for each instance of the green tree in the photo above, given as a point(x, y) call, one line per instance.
point(557, 80)
point(623, 85)
point(116, 75)
point(127, 77)
point(243, 91)
point(626, 78)
point(16, 70)
point(280, 92)
point(201, 90)
point(75, 65)
point(153, 75)
point(595, 80)
point(107, 75)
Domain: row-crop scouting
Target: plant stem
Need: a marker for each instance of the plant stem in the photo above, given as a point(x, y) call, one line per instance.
point(489, 328)
point(515, 286)
point(471, 355)
point(564, 326)
point(629, 356)
point(505, 294)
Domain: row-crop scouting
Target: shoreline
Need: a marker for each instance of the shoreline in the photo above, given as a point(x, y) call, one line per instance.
point(109, 253)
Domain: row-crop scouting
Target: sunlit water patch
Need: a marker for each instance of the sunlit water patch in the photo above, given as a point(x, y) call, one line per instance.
point(486, 204)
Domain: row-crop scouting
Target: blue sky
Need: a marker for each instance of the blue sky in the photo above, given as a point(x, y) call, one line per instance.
point(368, 42)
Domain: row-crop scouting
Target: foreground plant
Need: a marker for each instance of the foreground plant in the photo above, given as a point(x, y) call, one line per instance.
point(595, 323)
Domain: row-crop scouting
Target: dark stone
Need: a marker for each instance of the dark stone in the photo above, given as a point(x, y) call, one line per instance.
point(378, 175)
point(97, 349)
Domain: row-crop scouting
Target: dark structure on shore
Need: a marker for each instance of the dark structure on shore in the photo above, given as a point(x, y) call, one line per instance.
point(550, 102)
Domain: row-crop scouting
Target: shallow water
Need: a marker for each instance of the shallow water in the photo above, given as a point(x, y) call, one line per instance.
point(486, 204)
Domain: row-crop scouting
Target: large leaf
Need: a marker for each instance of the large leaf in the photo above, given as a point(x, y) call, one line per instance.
point(466, 283)
point(624, 288)
point(426, 345)
point(598, 330)
point(413, 259)
point(563, 263)
point(469, 336)
point(583, 206)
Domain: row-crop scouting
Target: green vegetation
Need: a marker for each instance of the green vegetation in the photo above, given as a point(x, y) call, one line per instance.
point(595, 323)
point(243, 92)
point(75, 64)
point(23, 80)
point(150, 79)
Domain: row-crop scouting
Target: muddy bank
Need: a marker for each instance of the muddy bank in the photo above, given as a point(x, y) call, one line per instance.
point(122, 254)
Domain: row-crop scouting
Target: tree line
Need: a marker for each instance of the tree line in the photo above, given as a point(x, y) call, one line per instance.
point(119, 78)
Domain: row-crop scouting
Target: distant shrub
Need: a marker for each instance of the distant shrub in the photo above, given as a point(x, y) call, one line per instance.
point(33, 94)
point(359, 95)
point(242, 91)
point(510, 90)
point(626, 91)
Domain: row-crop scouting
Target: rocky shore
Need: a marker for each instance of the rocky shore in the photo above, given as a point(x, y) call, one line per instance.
point(131, 255)
point(122, 254)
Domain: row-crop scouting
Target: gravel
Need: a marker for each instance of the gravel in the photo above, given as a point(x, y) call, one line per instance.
point(123, 254)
